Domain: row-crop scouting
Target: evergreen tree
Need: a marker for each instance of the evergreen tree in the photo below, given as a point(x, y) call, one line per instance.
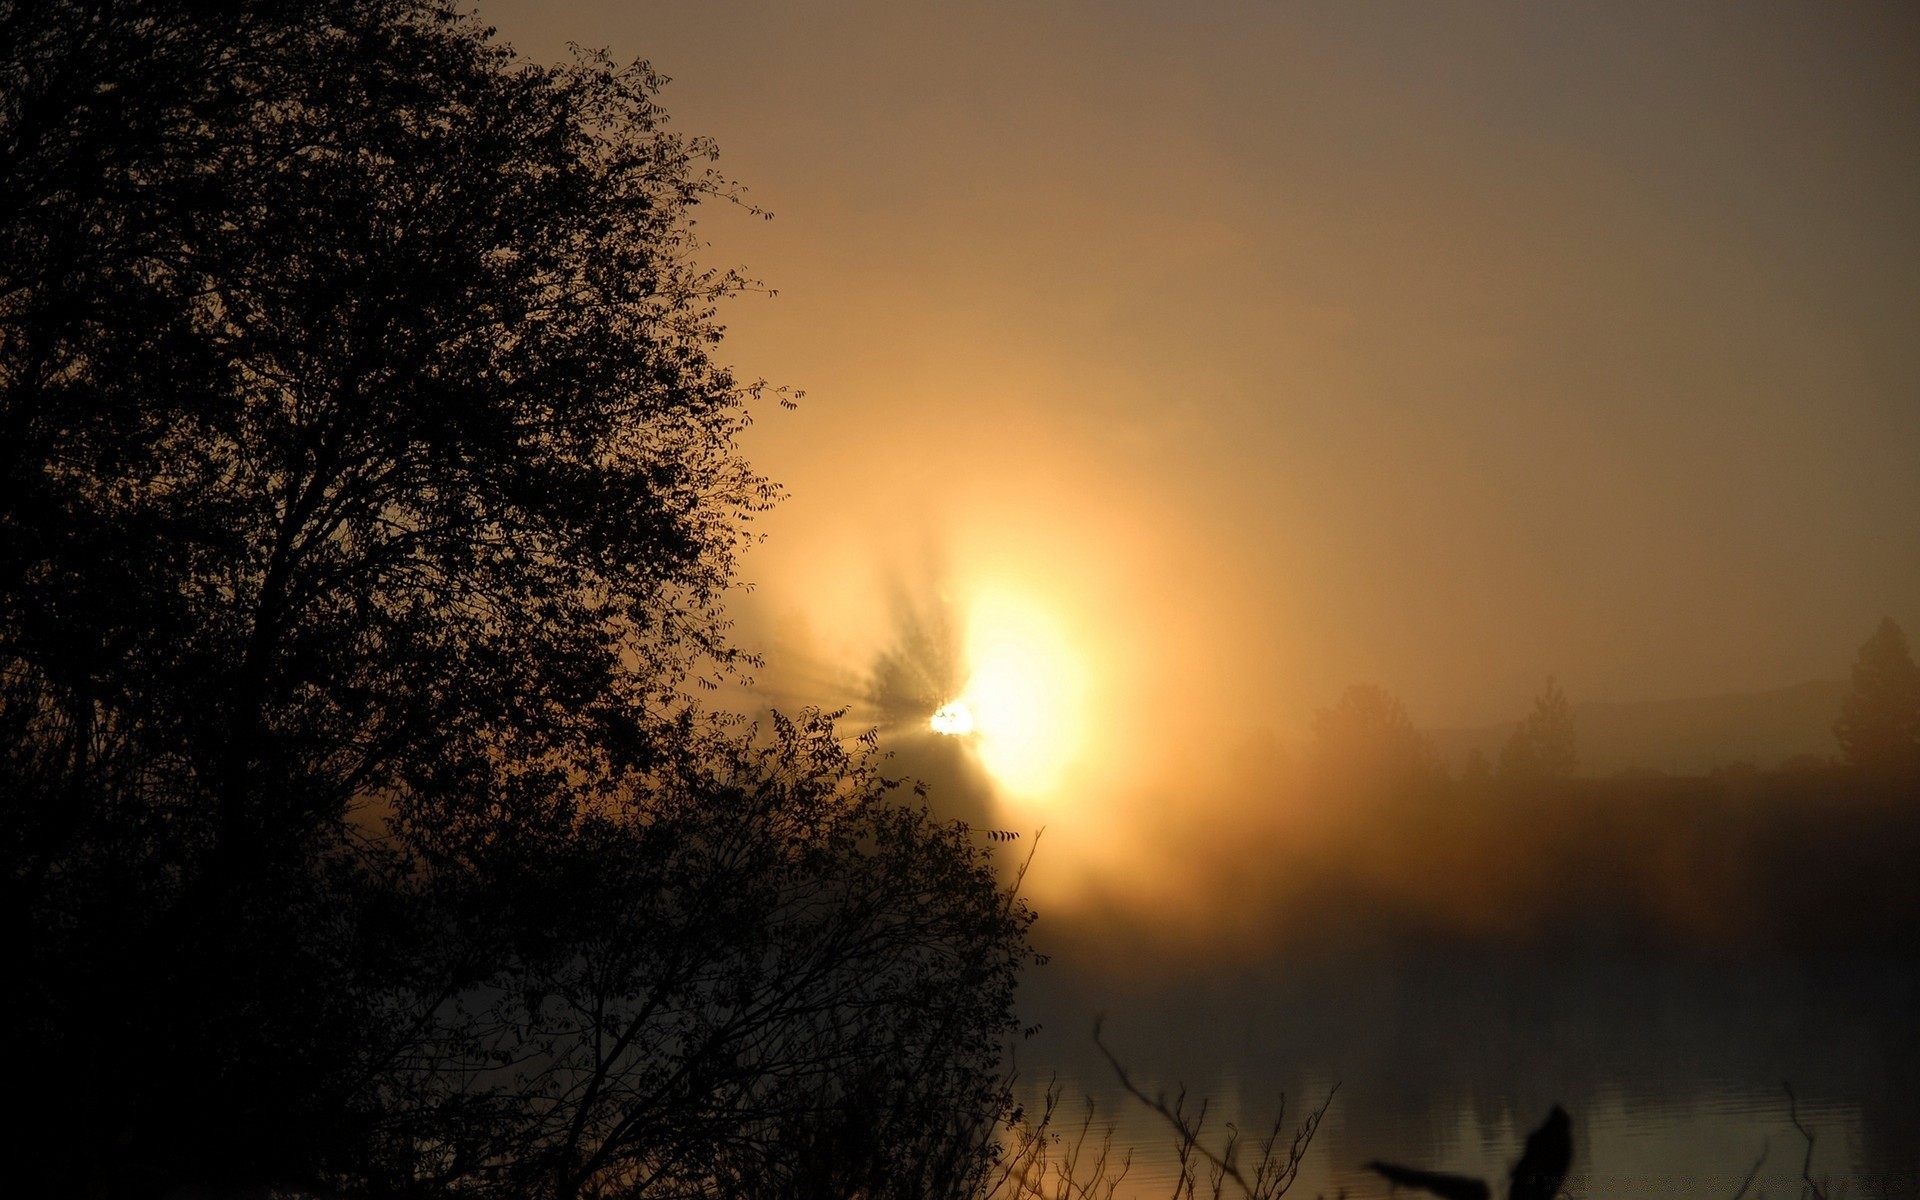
point(1366, 744)
point(1543, 747)
point(1879, 724)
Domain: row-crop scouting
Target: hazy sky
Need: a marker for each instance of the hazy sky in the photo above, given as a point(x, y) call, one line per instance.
point(1262, 348)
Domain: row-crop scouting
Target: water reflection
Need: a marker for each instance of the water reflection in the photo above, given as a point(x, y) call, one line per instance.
point(1671, 1066)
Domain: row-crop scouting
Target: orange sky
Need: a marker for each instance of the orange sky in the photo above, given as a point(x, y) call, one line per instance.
point(1269, 347)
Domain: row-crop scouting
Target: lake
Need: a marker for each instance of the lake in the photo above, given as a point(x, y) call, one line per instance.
point(1673, 1066)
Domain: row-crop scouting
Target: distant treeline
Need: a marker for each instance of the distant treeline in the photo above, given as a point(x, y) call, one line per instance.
point(1801, 861)
point(1813, 855)
point(1874, 723)
point(1370, 836)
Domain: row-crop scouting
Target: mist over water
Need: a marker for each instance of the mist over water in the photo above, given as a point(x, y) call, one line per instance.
point(1275, 348)
point(1662, 959)
point(1447, 1054)
point(1663, 955)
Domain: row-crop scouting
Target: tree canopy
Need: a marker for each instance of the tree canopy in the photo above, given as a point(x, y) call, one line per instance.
point(368, 497)
point(1879, 724)
point(1543, 747)
point(1367, 743)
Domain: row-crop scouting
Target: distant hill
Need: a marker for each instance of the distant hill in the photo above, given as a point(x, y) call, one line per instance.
point(1683, 737)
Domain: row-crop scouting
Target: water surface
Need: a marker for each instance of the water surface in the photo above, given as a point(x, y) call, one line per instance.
point(1674, 1067)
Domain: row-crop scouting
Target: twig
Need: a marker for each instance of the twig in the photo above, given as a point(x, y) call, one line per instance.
point(1806, 1165)
point(1020, 876)
point(1754, 1173)
point(1268, 1181)
point(1045, 1165)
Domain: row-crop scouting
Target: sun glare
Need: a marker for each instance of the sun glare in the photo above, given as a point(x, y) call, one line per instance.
point(1022, 699)
point(953, 718)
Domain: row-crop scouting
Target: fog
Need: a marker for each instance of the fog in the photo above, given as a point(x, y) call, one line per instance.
point(1232, 355)
point(1267, 349)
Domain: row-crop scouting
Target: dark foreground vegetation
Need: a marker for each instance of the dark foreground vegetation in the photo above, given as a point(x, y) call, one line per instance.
point(367, 498)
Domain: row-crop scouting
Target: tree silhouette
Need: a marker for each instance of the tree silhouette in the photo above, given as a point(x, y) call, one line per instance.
point(1543, 747)
point(1879, 724)
point(368, 494)
point(780, 983)
point(1367, 743)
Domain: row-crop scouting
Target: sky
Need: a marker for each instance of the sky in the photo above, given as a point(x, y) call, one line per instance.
point(1238, 352)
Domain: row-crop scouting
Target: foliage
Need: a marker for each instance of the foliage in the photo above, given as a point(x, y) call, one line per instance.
point(1367, 744)
point(1879, 725)
point(777, 981)
point(1542, 748)
point(368, 494)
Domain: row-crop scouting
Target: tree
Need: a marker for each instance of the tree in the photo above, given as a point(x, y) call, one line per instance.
point(780, 983)
point(1366, 743)
point(1879, 724)
point(1543, 747)
point(368, 496)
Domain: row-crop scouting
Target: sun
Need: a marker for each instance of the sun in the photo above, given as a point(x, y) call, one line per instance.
point(953, 718)
point(1021, 706)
